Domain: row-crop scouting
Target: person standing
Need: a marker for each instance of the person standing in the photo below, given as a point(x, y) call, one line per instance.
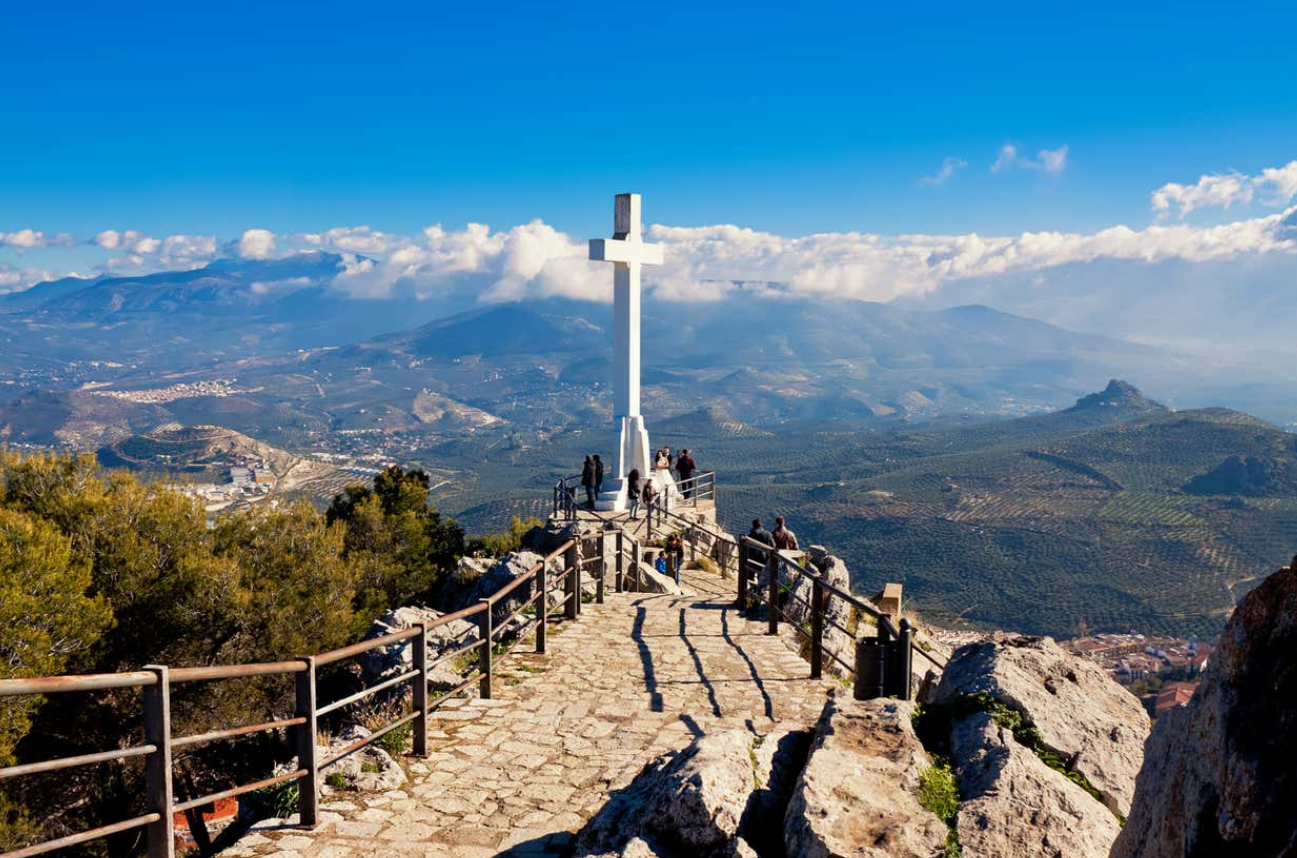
point(634, 486)
point(685, 467)
point(598, 475)
point(587, 480)
point(784, 539)
point(759, 534)
point(650, 495)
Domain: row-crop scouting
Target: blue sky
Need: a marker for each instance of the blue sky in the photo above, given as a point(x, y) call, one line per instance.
point(790, 118)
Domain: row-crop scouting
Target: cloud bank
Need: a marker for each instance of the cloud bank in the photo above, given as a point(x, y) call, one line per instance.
point(703, 263)
point(1274, 186)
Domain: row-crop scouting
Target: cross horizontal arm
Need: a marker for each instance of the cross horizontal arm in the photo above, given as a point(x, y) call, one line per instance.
point(615, 250)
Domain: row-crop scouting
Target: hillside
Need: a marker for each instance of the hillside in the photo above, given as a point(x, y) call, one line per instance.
point(1033, 524)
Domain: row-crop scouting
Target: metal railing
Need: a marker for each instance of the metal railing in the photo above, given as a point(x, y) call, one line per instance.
point(882, 665)
point(493, 639)
point(569, 497)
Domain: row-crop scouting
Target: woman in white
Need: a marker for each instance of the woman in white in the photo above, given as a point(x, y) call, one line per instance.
point(662, 476)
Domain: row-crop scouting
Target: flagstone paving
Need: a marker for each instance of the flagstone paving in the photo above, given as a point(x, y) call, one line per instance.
point(520, 774)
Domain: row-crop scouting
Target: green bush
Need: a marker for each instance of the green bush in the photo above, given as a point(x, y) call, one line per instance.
point(282, 799)
point(938, 791)
point(395, 741)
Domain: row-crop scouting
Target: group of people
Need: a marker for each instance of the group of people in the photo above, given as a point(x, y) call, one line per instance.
point(780, 539)
point(641, 490)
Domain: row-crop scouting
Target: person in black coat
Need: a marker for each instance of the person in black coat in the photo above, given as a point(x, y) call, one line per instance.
point(634, 489)
point(757, 556)
point(587, 480)
point(685, 467)
point(598, 475)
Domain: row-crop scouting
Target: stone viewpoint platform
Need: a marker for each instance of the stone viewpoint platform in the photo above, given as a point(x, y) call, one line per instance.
point(520, 774)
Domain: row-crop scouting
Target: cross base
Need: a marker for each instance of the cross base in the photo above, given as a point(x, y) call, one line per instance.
point(632, 453)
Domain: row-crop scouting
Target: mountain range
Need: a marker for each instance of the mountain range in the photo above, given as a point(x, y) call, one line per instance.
point(271, 348)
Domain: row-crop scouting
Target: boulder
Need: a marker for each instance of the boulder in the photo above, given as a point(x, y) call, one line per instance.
point(858, 795)
point(397, 658)
point(1015, 805)
point(646, 579)
point(1220, 776)
point(1094, 724)
point(837, 611)
point(687, 803)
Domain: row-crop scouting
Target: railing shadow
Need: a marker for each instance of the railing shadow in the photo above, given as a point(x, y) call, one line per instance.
point(747, 659)
point(646, 659)
point(698, 666)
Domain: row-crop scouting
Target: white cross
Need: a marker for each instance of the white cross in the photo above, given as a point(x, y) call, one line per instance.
point(627, 250)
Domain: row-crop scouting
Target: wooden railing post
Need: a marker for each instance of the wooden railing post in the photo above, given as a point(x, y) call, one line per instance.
point(743, 574)
point(618, 583)
point(308, 788)
point(603, 567)
point(817, 628)
point(772, 590)
point(542, 606)
point(903, 682)
point(571, 583)
point(157, 765)
point(484, 656)
point(419, 697)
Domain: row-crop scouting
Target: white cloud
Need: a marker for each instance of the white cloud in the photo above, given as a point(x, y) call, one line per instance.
point(257, 244)
point(1051, 161)
point(13, 279)
point(26, 239)
point(1275, 186)
point(949, 167)
point(350, 239)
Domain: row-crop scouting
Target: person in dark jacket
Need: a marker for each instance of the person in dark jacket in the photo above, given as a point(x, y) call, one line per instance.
point(785, 539)
point(634, 488)
point(758, 533)
point(685, 467)
point(587, 480)
point(598, 475)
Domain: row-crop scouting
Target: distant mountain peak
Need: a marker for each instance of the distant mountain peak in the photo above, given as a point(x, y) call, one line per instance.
point(1120, 395)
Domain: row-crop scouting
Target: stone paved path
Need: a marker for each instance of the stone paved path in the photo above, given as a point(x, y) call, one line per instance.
point(518, 775)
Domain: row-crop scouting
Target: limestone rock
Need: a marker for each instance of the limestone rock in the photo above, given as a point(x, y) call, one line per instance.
point(369, 769)
point(397, 658)
point(858, 795)
point(1088, 719)
point(683, 804)
point(1220, 776)
point(837, 611)
point(1015, 805)
point(646, 579)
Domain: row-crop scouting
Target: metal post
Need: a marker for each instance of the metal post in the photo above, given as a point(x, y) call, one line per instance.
point(603, 567)
point(817, 628)
point(308, 792)
point(157, 765)
point(903, 682)
point(772, 590)
point(419, 697)
point(484, 656)
point(869, 669)
point(618, 583)
point(571, 595)
point(542, 606)
point(743, 573)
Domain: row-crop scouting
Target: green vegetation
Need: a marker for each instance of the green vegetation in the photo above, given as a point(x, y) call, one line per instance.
point(939, 794)
point(337, 780)
point(281, 799)
point(100, 573)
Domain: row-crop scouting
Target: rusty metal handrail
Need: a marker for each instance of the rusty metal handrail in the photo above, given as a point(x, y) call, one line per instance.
point(235, 732)
point(74, 762)
point(81, 682)
point(156, 682)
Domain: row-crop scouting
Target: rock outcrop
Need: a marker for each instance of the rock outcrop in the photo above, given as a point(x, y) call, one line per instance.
point(685, 804)
point(1097, 727)
point(858, 795)
point(392, 660)
point(1221, 772)
point(1015, 805)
